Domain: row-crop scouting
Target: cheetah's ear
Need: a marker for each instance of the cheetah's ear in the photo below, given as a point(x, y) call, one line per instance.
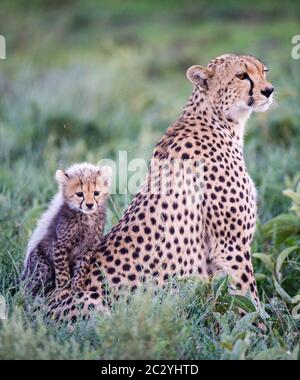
point(61, 177)
point(106, 173)
point(199, 75)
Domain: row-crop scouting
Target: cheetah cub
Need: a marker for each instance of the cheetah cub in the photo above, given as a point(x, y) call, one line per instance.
point(59, 249)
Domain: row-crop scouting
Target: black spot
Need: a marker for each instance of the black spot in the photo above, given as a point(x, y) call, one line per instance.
point(138, 267)
point(132, 277)
point(147, 230)
point(141, 216)
point(109, 258)
point(123, 251)
point(95, 295)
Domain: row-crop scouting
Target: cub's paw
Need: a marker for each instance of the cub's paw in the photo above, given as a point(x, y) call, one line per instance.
point(61, 294)
point(77, 285)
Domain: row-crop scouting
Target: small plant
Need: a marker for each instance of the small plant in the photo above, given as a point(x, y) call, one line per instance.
point(284, 228)
point(295, 197)
point(285, 225)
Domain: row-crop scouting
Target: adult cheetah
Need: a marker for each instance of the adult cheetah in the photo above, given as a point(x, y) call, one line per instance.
point(206, 222)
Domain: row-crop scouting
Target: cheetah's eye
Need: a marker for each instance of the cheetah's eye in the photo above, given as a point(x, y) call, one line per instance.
point(242, 76)
point(79, 194)
point(96, 193)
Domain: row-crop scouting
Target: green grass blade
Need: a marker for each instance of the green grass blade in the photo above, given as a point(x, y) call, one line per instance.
point(281, 258)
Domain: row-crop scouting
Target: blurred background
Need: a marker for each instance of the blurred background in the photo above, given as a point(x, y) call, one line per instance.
point(86, 79)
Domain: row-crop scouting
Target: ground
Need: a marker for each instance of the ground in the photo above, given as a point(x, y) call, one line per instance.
point(82, 82)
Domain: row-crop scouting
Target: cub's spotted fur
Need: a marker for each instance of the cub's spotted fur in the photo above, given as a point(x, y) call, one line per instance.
point(70, 229)
point(198, 229)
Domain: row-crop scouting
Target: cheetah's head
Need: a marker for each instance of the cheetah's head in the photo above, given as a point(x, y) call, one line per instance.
point(84, 186)
point(235, 84)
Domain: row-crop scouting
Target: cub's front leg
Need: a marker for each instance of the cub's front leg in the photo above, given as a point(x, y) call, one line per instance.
point(80, 269)
point(86, 251)
point(61, 256)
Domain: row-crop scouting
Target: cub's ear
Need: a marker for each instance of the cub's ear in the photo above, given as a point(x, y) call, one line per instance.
point(199, 75)
point(106, 173)
point(61, 177)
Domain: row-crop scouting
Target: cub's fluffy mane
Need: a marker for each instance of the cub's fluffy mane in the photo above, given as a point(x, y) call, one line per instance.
point(44, 223)
point(85, 171)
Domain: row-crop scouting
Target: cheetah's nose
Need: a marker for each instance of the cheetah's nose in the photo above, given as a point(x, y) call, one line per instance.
point(89, 205)
point(267, 91)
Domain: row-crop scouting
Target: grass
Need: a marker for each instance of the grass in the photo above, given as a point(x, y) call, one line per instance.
point(84, 81)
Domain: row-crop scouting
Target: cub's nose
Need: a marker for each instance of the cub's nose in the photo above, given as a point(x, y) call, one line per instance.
point(267, 91)
point(89, 205)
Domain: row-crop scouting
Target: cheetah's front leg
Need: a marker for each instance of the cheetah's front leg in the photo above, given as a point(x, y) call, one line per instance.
point(238, 265)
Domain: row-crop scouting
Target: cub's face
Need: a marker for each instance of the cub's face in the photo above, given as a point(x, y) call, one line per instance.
point(235, 84)
point(84, 190)
point(85, 196)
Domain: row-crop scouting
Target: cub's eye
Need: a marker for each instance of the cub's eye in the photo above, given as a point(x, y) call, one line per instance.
point(79, 194)
point(96, 193)
point(242, 76)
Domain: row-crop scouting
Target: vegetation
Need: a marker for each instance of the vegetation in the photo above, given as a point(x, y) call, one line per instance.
point(84, 80)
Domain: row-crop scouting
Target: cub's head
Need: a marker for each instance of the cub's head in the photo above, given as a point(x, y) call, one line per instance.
point(234, 84)
point(84, 186)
